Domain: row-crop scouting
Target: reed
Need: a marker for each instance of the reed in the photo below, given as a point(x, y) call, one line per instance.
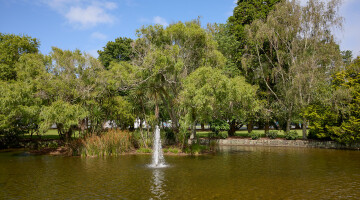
point(111, 143)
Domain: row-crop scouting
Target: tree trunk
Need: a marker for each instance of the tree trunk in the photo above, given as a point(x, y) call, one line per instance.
point(266, 127)
point(68, 135)
point(82, 127)
point(232, 129)
point(193, 129)
point(156, 112)
point(304, 129)
point(172, 114)
point(193, 133)
point(288, 125)
point(202, 126)
point(142, 134)
point(250, 126)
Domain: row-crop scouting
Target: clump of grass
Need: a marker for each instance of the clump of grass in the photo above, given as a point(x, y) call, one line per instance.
point(174, 150)
point(113, 142)
point(196, 149)
point(144, 150)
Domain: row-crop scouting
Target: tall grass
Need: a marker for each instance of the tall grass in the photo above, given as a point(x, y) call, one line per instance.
point(113, 142)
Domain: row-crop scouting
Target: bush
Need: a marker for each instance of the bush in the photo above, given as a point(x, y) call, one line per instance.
point(291, 135)
point(272, 134)
point(254, 135)
point(223, 135)
point(219, 125)
point(9, 140)
point(169, 136)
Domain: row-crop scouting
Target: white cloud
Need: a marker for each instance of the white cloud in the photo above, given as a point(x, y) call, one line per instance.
point(98, 35)
point(160, 20)
point(88, 17)
point(82, 13)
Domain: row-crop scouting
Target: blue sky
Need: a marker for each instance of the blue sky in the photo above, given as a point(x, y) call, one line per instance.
point(89, 24)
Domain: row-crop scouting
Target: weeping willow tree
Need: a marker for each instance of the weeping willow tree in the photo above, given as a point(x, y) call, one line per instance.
point(293, 52)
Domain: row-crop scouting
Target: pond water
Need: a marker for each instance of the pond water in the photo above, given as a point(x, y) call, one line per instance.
point(231, 173)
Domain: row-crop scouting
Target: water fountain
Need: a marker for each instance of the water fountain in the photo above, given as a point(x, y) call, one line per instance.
point(158, 160)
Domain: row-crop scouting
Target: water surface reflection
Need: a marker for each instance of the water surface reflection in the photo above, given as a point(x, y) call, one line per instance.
point(157, 188)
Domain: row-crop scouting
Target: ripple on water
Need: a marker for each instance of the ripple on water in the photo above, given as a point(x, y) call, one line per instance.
point(234, 173)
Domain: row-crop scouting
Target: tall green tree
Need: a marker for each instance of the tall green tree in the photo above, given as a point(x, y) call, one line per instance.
point(338, 118)
point(244, 14)
point(295, 48)
point(163, 58)
point(209, 95)
point(11, 48)
point(20, 70)
point(116, 51)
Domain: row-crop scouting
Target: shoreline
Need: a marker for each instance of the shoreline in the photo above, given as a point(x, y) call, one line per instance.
point(281, 143)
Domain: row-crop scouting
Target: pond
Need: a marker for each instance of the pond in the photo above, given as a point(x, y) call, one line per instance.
point(232, 173)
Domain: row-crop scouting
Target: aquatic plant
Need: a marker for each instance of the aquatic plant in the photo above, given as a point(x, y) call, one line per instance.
point(113, 142)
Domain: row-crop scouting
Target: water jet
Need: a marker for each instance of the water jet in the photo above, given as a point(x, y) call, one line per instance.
point(158, 160)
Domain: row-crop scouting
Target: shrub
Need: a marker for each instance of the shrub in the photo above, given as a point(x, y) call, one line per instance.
point(9, 140)
point(272, 134)
point(113, 142)
point(254, 135)
point(169, 136)
point(291, 135)
point(223, 135)
point(219, 125)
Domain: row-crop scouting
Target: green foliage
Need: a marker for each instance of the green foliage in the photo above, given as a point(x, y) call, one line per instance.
point(339, 119)
point(272, 134)
point(9, 140)
point(223, 135)
point(244, 14)
point(12, 47)
point(63, 114)
point(119, 50)
point(208, 94)
point(254, 135)
point(291, 135)
point(293, 54)
point(217, 126)
point(120, 111)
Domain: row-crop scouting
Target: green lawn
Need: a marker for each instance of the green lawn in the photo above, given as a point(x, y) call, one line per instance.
point(244, 133)
point(50, 134)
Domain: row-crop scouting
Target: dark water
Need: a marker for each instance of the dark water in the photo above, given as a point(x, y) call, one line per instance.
point(232, 173)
